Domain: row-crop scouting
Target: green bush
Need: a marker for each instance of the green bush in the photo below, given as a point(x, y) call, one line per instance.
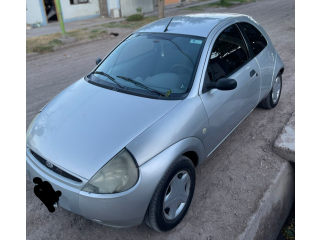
point(55, 42)
point(134, 17)
point(43, 49)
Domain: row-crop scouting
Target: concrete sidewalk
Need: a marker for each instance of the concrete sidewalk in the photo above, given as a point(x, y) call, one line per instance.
point(284, 146)
point(55, 27)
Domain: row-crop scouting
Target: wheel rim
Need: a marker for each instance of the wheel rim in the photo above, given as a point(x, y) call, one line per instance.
point(276, 90)
point(177, 195)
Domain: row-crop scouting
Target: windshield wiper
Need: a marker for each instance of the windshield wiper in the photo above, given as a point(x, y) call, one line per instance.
point(108, 76)
point(144, 86)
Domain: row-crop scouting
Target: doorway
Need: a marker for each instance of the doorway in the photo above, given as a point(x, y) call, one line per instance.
point(50, 10)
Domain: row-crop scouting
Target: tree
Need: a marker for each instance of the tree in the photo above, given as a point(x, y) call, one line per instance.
point(160, 8)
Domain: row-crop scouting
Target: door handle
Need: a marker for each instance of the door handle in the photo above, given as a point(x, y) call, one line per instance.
point(253, 72)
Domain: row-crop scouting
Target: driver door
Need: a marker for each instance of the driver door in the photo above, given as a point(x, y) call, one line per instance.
point(229, 57)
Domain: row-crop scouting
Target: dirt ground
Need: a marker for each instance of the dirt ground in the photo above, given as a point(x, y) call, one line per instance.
point(230, 183)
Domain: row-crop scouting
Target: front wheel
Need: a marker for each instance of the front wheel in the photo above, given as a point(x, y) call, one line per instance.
point(272, 99)
point(173, 196)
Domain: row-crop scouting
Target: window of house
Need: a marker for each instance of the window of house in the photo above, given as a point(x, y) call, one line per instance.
point(78, 1)
point(256, 39)
point(228, 54)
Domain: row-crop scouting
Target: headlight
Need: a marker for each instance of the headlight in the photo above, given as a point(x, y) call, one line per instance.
point(118, 175)
point(31, 125)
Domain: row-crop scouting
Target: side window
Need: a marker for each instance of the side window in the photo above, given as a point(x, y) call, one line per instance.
point(229, 53)
point(256, 39)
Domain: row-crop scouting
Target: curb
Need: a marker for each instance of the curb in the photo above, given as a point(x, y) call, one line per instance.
point(274, 207)
point(31, 56)
point(284, 146)
point(78, 43)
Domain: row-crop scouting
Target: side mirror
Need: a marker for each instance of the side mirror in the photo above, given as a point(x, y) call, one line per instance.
point(223, 84)
point(98, 60)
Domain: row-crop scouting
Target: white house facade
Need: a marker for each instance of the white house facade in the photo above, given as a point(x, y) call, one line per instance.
point(44, 11)
point(35, 12)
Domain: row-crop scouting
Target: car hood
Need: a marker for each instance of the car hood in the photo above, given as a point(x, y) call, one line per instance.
point(83, 127)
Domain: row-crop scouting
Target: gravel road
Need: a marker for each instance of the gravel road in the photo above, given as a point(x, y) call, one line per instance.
point(232, 180)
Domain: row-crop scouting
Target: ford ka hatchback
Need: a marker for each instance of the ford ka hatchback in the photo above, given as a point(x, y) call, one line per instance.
point(122, 143)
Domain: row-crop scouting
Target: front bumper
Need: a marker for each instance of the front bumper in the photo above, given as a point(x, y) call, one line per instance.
point(124, 209)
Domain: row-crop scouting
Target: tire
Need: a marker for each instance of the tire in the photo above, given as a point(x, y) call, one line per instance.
point(269, 101)
point(156, 216)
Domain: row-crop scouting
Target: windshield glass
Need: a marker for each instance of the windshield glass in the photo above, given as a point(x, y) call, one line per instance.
point(162, 63)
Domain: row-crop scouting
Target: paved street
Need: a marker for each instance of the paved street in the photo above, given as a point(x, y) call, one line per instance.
point(231, 182)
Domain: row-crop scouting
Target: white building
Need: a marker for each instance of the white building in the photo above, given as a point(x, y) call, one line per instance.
point(43, 11)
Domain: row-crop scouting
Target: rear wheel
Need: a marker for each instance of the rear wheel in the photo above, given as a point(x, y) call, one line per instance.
point(173, 196)
point(272, 99)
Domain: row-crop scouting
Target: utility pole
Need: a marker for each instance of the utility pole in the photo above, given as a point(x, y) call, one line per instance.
point(160, 9)
point(60, 18)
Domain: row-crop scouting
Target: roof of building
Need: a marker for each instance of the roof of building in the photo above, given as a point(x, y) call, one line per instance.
point(192, 24)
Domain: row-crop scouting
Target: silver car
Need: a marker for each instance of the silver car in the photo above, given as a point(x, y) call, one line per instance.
point(122, 144)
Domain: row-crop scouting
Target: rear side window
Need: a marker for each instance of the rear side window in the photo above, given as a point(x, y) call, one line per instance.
point(256, 39)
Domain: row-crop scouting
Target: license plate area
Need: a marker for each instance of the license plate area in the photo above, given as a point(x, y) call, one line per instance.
point(45, 192)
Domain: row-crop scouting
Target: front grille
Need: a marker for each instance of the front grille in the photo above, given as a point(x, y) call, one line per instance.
point(54, 168)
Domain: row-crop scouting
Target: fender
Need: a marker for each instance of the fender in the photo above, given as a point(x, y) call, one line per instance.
point(169, 155)
point(151, 173)
point(186, 122)
point(278, 67)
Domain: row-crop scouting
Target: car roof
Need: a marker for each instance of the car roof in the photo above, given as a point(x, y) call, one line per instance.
point(199, 24)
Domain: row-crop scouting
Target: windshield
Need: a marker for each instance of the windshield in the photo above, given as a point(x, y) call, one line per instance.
point(158, 64)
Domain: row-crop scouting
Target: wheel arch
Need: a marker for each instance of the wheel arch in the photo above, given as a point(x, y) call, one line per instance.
point(278, 67)
point(154, 169)
point(281, 70)
point(193, 156)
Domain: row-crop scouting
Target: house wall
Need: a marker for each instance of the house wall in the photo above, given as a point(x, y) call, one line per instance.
point(175, 1)
point(103, 8)
point(128, 7)
point(171, 1)
point(73, 12)
point(112, 4)
point(35, 12)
